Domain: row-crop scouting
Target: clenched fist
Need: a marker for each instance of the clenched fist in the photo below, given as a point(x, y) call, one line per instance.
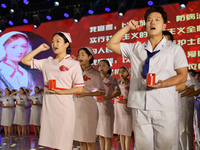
point(133, 25)
point(43, 47)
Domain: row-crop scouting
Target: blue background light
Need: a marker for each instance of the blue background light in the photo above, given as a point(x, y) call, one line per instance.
point(107, 9)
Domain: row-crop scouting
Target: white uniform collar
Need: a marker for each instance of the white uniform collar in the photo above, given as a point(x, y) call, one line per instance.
point(148, 46)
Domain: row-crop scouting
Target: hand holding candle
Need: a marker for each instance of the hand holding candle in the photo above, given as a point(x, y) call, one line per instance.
point(52, 84)
point(151, 78)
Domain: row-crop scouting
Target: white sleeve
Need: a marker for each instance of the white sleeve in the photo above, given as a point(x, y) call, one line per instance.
point(127, 49)
point(37, 64)
point(180, 58)
point(99, 83)
point(116, 84)
point(77, 75)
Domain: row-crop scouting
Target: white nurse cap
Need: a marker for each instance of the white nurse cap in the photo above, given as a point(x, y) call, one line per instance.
point(90, 49)
point(127, 68)
point(67, 35)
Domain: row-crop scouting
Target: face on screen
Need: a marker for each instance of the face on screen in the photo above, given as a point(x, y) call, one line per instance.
point(16, 49)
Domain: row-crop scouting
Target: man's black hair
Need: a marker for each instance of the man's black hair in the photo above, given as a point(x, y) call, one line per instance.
point(169, 35)
point(156, 9)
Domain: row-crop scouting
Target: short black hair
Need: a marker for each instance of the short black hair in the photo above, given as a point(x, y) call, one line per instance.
point(169, 35)
point(125, 69)
point(68, 51)
point(88, 53)
point(41, 90)
point(14, 91)
point(8, 90)
point(156, 9)
point(37, 87)
point(22, 89)
point(107, 62)
point(192, 71)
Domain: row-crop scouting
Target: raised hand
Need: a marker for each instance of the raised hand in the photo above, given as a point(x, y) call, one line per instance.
point(133, 25)
point(44, 47)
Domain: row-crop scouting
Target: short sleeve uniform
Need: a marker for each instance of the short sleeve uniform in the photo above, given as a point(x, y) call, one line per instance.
point(36, 109)
point(106, 109)
point(27, 111)
point(86, 107)
point(20, 111)
point(6, 119)
point(170, 57)
point(58, 111)
point(123, 114)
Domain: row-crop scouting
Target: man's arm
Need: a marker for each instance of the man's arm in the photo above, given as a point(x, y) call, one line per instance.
point(114, 43)
point(181, 77)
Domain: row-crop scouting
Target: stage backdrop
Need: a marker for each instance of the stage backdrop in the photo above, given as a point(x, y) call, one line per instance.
point(96, 30)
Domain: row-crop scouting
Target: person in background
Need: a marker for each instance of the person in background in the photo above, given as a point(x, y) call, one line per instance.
point(123, 114)
point(36, 103)
point(6, 120)
point(85, 103)
point(105, 106)
point(20, 112)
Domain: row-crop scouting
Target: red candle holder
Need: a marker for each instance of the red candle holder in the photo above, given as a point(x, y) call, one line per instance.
point(52, 84)
point(120, 98)
point(99, 98)
point(151, 78)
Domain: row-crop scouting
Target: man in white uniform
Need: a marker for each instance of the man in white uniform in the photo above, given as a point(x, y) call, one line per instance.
point(154, 107)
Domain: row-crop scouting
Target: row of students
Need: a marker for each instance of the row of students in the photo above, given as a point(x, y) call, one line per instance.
point(59, 124)
point(16, 112)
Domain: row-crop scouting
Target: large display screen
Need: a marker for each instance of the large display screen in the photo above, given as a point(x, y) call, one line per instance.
point(94, 31)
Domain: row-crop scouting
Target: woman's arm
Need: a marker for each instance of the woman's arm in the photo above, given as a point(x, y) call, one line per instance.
point(14, 93)
point(27, 59)
point(113, 95)
point(8, 106)
point(195, 93)
point(37, 104)
point(1, 94)
point(189, 91)
point(22, 105)
point(27, 95)
point(74, 90)
point(97, 93)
